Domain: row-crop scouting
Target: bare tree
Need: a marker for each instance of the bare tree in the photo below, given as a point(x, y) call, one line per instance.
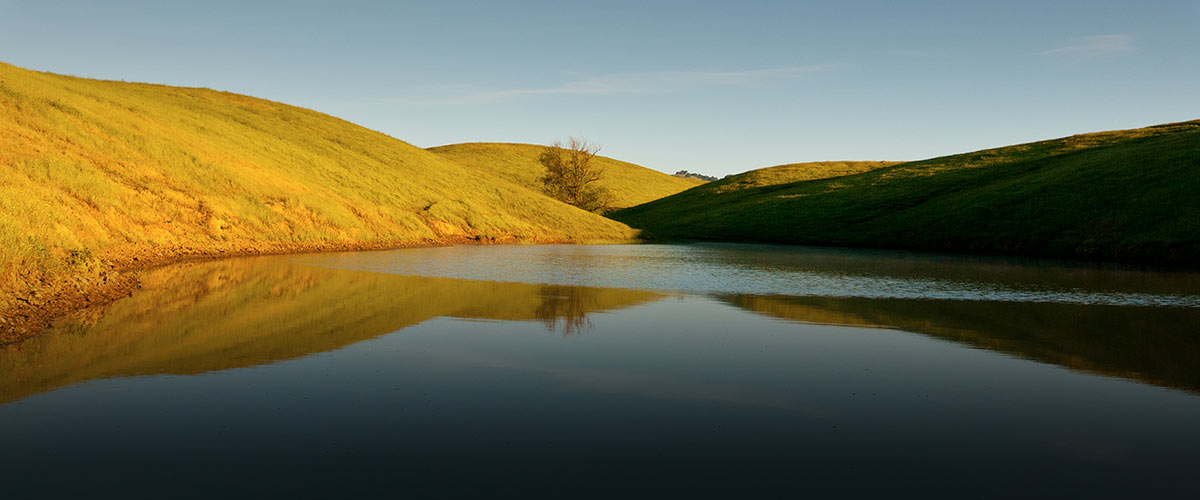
point(572, 177)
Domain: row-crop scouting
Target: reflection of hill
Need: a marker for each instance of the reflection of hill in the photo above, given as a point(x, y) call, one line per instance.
point(1155, 345)
point(217, 315)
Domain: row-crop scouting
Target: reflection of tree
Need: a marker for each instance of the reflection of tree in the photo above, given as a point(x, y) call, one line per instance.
point(81, 322)
point(205, 316)
point(564, 308)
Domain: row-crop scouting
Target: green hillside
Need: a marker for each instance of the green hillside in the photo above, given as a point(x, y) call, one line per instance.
point(1123, 195)
point(115, 170)
point(630, 184)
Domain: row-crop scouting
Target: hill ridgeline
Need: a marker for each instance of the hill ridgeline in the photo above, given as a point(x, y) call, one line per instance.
point(1128, 195)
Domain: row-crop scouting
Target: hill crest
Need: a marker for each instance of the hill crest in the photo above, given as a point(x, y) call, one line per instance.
point(631, 184)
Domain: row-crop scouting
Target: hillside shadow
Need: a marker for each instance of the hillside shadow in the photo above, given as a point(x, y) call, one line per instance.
point(1156, 345)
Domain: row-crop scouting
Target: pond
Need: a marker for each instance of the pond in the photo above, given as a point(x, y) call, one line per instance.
point(615, 370)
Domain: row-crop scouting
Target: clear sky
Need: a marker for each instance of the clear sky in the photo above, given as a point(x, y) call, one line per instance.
point(711, 87)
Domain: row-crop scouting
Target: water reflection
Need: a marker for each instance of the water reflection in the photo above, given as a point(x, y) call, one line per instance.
point(203, 317)
point(564, 309)
point(788, 270)
point(436, 386)
point(1150, 344)
point(904, 275)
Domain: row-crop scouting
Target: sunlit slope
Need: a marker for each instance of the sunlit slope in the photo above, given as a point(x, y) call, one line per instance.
point(118, 168)
point(232, 313)
point(630, 184)
point(1128, 195)
point(794, 172)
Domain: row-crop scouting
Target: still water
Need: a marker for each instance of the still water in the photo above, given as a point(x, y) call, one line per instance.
point(665, 370)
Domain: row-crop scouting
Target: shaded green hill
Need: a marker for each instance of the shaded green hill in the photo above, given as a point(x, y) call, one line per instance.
point(1122, 195)
point(630, 184)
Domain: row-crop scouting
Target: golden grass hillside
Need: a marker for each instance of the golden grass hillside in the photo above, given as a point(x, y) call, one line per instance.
point(630, 184)
point(97, 170)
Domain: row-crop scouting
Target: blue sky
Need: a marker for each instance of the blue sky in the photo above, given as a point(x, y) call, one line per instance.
point(711, 87)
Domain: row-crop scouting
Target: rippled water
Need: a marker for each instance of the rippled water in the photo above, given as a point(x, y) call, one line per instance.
point(602, 371)
point(786, 270)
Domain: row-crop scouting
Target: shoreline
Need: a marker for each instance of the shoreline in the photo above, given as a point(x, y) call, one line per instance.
point(34, 300)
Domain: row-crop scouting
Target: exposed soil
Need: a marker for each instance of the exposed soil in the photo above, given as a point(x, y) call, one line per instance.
point(32, 301)
point(40, 298)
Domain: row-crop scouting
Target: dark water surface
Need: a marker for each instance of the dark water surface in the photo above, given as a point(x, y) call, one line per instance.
point(664, 370)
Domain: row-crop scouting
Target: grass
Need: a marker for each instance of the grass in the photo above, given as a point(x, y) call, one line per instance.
point(630, 184)
point(1125, 195)
point(110, 169)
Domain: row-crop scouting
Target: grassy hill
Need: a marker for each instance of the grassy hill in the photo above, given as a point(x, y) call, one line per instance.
point(1122, 195)
point(630, 184)
point(94, 172)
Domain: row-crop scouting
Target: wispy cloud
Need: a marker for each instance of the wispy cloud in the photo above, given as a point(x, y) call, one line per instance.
point(1098, 45)
point(619, 84)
